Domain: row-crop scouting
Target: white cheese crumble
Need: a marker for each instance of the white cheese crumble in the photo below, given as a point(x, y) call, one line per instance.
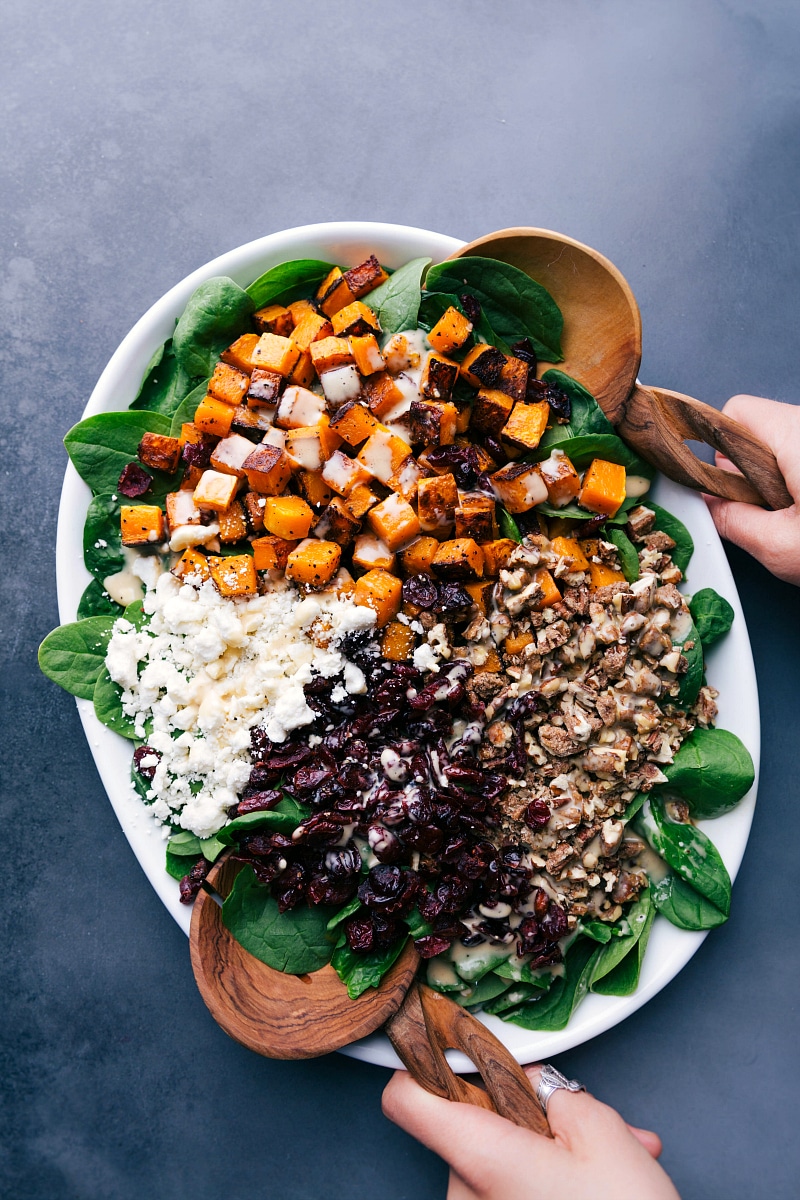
point(206, 669)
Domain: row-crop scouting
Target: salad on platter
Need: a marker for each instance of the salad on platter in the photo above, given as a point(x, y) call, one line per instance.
point(389, 617)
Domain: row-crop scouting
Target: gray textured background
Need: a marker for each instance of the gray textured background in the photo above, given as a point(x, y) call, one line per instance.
point(138, 141)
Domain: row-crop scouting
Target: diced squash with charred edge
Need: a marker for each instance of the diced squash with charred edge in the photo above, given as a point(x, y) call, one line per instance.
point(450, 331)
point(361, 499)
point(433, 422)
point(240, 353)
point(513, 378)
point(394, 521)
point(437, 501)
point(381, 591)
point(160, 452)
point(234, 575)
point(381, 393)
point(570, 548)
point(397, 643)
point(371, 553)
point(355, 319)
point(312, 328)
point(601, 576)
point(141, 524)
point(303, 373)
point(192, 562)
point(406, 479)
point(288, 517)
point(491, 410)
point(190, 433)
point(274, 318)
point(515, 643)
point(469, 358)
point(480, 594)
point(229, 383)
point(438, 377)
point(313, 488)
point(463, 419)
point(519, 487)
point(603, 487)
point(491, 664)
point(214, 416)
point(367, 354)
point(334, 293)
point(232, 525)
point(382, 454)
point(215, 491)
point(550, 588)
point(418, 558)
point(254, 506)
point(560, 478)
point(337, 523)
point(365, 277)
point(265, 388)
point(475, 518)
point(191, 477)
point(268, 470)
point(252, 422)
point(329, 353)
point(459, 559)
point(271, 553)
point(343, 473)
point(275, 353)
point(182, 510)
point(527, 424)
point(354, 423)
point(230, 453)
point(314, 562)
point(496, 554)
point(300, 309)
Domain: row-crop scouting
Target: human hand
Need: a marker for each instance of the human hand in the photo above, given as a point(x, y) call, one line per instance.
point(771, 537)
point(593, 1152)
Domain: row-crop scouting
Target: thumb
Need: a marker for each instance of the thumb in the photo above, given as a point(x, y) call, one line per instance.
point(771, 537)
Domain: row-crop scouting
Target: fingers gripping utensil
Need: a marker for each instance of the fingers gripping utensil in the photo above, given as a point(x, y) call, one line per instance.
point(291, 1016)
point(602, 346)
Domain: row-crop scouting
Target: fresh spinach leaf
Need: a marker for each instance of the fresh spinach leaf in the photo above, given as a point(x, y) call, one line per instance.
point(623, 979)
point(135, 613)
point(107, 697)
point(692, 680)
point(361, 971)
point(486, 989)
point(712, 615)
point(73, 656)
point(178, 866)
point(346, 911)
point(188, 845)
point(417, 926)
point(396, 302)
point(283, 818)
point(601, 933)
point(507, 526)
point(586, 416)
point(634, 806)
point(555, 1008)
point(165, 383)
point(685, 907)
point(102, 538)
point(667, 523)
point(518, 993)
point(286, 282)
point(101, 446)
point(96, 602)
point(688, 851)
point(217, 312)
point(712, 771)
point(514, 304)
point(518, 970)
point(628, 556)
point(140, 783)
point(184, 413)
point(580, 450)
point(296, 941)
point(613, 956)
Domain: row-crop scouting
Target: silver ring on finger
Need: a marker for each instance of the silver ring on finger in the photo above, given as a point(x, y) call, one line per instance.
point(550, 1081)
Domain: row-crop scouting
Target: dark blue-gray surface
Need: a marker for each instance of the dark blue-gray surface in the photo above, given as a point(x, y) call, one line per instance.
point(140, 140)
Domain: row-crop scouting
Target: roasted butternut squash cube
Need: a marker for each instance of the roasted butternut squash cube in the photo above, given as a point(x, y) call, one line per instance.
point(475, 518)
point(355, 319)
point(265, 387)
point(230, 453)
point(361, 499)
point(371, 553)
point(450, 331)
point(288, 517)
point(141, 524)
point(191, 434)
point(254, 506)
point(214, 416)
point(551, 594)
point(365, 277)
point(313, 327)
point(400, 354)
point(492, 664)
point(515, 643)
point(240, 353)
point(271, 553)
point(311, 446)
point(160, 452)
point(366, 353)
point(394, 521)
point(252, 423)
point(437, 501)
point(569, 548)
point(274, 318)
point(275, 353)
point(406, 479)
point(268, 470)
point(343, 583)
point(229, 383)
point(300, 309)
point(480, 593)
point(215, 491)
point(314, 562)
point(526, 425)
point(398, 641)
point(381, 393)
point(334, 293)
point(341, 385)
point(191, 477)
point(560, 478)
point(299, 407)
point(313, 488)
point(342, 473)
point(232, 525)
point(601, 576)
point(381, 591)
point(438, 378)
point(418, 558)
point(603, 487)
point(382, 454)
point(513, 378)
point(496, 554)
point(234, 575)
point(192, 563)
point(337, 523)
point(302, 373)
point(182, 510)
point(481, 366)
point(329, 353)
point(491, 410)
point(432, 423)
point(519, 487)
point(459, 559)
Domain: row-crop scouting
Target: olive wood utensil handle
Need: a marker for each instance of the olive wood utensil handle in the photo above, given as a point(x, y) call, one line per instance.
point(655, 422)
point(427, 1024)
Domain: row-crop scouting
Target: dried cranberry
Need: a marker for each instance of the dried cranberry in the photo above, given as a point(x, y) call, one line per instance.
point(461, 461)
point(257, 802)
point(134, 482)
point(322, 889)
point(525, 706)
point(560, 403)
point(360, 934)
point(453, 598)
point(198, 454)
point(289, 888)
point(528, 935)
point(190, 884)
point(541, 902)
point(389, 890)
point(139, 756)
point(524, 350)
point(471, 306)
point(310, 777)
point(472, 939)
point(341, 864)
point(554, 924)
point(431, 945)
point(537, 814)
point(420, 590)
point(321, 829)
point(385, 845)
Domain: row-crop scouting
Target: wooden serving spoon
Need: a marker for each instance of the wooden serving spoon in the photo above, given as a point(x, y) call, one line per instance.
point(602, 345)
point(303, 1016)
